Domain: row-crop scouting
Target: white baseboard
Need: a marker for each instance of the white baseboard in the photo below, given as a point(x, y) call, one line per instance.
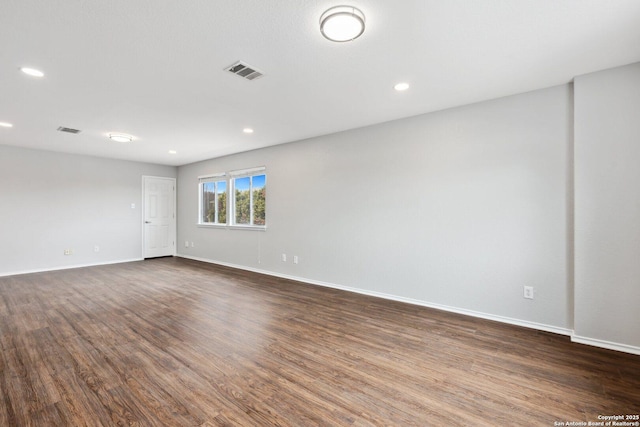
point(502, 319)
point(625, 348)
point(606, 344)
point(67, 267)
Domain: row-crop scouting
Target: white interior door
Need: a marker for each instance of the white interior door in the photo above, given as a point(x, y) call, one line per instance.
point(159, 216)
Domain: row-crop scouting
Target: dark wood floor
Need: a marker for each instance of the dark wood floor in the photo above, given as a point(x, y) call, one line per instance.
point(175, 342)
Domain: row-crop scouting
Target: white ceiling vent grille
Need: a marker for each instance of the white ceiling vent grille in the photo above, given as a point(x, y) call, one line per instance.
point(246, 71)
point(68, 130)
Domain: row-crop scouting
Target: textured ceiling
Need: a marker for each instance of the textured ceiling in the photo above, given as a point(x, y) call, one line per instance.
point(154, 68)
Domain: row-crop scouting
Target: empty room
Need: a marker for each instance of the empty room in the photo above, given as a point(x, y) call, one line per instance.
point(315, 213)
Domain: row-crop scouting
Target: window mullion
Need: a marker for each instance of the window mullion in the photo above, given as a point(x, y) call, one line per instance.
point(251, 200)
point(215, 205)
point(232, 205)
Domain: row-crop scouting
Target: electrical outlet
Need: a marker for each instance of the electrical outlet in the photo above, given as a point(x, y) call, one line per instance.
point(186, 244)
point(96, 248)
point(284, 257)
point(192, 244)
point(528, 292)
point(295, 259)
point(68, 251)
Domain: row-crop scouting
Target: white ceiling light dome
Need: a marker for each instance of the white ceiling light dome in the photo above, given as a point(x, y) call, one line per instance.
point(342, 23)
point(120, 137)
point(32, 72)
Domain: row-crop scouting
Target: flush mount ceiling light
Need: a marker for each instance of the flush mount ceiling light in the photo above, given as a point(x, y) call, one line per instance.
point(6, 125)
point(342, 23)
point(247, 130)
point(173, 152)
point(32, 72)
point(120, 137)
point(401, 87)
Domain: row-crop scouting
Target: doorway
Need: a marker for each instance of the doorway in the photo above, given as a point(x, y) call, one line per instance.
point(159, 216)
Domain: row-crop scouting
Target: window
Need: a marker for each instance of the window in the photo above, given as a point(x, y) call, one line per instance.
point(213, 200)
point(237, 200)
point(249, 199)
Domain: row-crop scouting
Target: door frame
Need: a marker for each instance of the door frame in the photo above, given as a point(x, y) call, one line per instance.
point(142, 211)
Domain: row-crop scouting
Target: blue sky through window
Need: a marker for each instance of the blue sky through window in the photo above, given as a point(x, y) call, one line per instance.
point(242, 184)
point(258, 181)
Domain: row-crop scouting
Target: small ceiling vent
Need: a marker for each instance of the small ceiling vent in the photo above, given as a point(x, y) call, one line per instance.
point(68, 130)
point(246, 71)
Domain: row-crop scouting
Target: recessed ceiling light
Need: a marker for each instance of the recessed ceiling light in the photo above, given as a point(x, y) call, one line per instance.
point(173, 152)
point(401, 86)
point(32, 72)
point(342, 23)
point(120, 137)
point(247, 130)
point(6, 125)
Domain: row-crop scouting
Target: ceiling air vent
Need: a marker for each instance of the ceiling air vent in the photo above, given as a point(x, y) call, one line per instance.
point(68, 130)
point(246, 71)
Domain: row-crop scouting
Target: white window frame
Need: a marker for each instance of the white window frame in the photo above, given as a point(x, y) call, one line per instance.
point(244, 173)
point(219, 177)
point(230, 178)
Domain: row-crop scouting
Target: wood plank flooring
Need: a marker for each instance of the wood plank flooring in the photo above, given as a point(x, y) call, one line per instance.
point(173, 342)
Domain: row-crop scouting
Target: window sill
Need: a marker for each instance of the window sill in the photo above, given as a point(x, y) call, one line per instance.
point(248, 227)
point(234, 227)
point(211, 225)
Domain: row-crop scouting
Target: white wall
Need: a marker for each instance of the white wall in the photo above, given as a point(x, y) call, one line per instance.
point(459, 208)
point(50, 202)
point(607, 207)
